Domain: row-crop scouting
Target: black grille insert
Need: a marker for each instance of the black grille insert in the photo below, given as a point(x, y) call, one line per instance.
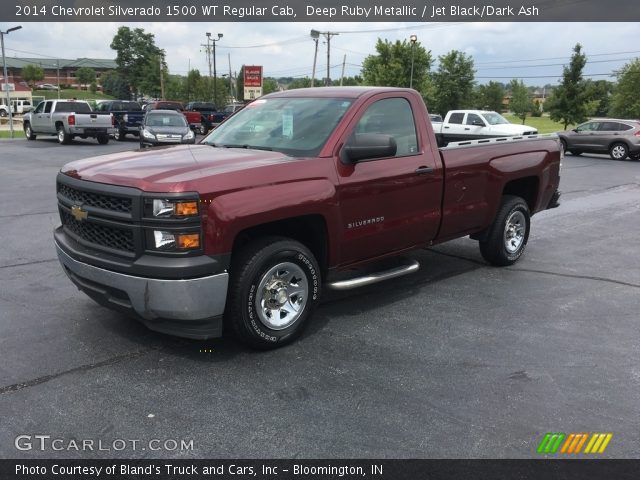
point(110, 237)
point(97, 200)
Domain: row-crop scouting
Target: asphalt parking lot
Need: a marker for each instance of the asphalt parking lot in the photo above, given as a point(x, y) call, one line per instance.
point(458, 360)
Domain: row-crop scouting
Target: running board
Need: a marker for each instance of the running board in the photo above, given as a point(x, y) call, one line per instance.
point(375, 277)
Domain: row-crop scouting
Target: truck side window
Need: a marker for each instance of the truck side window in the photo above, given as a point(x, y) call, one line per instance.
point(47, 107)
point(473, 119)
point(39, 108)
point(392, 116)
point(456, 118)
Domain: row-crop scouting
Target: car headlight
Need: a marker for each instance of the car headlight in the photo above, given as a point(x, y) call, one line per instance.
point(147, 134)
point(174, 208)
point(189, 135)
point(167, 241)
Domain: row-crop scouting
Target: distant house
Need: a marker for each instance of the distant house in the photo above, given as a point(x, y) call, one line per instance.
point(57, 70)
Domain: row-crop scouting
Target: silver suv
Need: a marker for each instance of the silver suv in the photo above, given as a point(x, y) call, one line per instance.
point(618, 138)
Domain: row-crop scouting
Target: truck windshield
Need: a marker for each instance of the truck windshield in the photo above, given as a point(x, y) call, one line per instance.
point(74, 107)
point(294, 126)
point(494, 118)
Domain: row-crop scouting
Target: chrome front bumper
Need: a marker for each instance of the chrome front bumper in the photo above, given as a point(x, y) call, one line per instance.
point(190, 308)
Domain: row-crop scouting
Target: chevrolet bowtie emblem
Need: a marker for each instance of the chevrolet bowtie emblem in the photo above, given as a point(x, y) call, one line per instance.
point(78, 213)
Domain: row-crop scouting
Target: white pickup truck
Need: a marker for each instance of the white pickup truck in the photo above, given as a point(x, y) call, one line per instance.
point(461, 125)
point(68, 119)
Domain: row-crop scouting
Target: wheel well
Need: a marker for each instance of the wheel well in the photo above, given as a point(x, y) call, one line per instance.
point(618, 141)
point(59, 124)
point(310, 230)
point(526, 188)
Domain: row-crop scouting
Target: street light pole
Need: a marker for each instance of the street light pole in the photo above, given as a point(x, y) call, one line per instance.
point(215, 75)
point(58, 77)
point(315, 34)
point(6, 79)
point(413, 39)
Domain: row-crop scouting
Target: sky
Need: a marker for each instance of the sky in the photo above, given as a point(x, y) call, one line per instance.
point(533, 52)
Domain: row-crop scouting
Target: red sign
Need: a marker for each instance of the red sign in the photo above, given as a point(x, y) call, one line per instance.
point(252, 76)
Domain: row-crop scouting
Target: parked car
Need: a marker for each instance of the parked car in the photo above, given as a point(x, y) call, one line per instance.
point(46, 86)
point(463, 125)
point(165, 127)
point(68, 119)
point(435, 118)
point(128, 116)
point(282, 201)
point(209, 116)
point(192, 117)
point(618, 138)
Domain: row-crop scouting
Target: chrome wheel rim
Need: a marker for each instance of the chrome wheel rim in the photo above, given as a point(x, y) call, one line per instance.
point(60, 135)
point(282, 295)
point(514, 231)
point(618, 152)
point(27, 131)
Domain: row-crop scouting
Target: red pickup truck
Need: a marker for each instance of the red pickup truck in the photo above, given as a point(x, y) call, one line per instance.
point(283, 200)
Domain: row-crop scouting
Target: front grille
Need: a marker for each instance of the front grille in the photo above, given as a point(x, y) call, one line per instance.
point(110, 237)
point(97, 200)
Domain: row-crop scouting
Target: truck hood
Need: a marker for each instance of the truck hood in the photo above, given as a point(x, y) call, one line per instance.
point(177, 168)
point(510, 129)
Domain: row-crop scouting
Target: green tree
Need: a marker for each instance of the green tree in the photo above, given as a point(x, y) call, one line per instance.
point(269, 85)
point(490, 96)
point(85, 75)
point(32, 74)
point(625, 101)
point(348, 81)
point(568, 104)
point(149, 82)
point(391, 67)
point(115, 85)
point(453, 82)
point(599, 94)
point(135, 51)
point(304, 82)
point(520, 103)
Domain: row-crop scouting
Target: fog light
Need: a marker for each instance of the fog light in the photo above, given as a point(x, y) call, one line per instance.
point(164, 240)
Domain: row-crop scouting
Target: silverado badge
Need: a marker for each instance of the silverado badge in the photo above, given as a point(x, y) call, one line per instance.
point(78, 213)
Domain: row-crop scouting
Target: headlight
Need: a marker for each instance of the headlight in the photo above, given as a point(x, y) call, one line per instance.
point(147, 134)
point(169, 208)
point(189, 135)
point(167, 241)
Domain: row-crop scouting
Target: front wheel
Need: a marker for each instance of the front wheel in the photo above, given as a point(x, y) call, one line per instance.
point(618, 151)
point(28, 132)
point(274, 288)
point(508, 235)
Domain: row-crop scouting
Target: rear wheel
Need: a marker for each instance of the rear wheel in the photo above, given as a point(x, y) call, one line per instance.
point(28, 132)
point(203, 130)
point(618, 151)
point(507, 236)
point(274, 288)
point(103, 139)
point(63, 138)
point(3, 113)
point(119, 135)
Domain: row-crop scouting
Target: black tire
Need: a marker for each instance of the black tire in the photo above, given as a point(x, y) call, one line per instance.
point(202, 129)
point(269, 262)
point(103, 139)
point(3, 113)
point(563, 142)
point(575, 153)
point(507, 236)
point(63, 138)
point(618, 151)
point(119, 135)
point(28, 132)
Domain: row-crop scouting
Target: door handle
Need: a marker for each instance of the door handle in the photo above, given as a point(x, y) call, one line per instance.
point(467, 128)
point(446, 126)
point(424, 169)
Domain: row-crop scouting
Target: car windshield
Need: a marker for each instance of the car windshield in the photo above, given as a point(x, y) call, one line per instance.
point(295, 126)
point(165, 120)
point(494, 118)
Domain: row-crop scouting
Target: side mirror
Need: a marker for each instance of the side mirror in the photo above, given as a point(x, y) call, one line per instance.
point(575, 130)
point(363, 146)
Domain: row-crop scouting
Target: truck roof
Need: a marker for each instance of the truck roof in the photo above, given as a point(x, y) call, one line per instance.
point(333, 92)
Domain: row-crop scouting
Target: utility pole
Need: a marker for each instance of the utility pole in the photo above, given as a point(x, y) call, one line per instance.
point(413, 39)
point(314, 35)
point(230, 79)
point(328, 35)
point(215, 74)
point(344, 61)
point(161, 80)
point(6, 79)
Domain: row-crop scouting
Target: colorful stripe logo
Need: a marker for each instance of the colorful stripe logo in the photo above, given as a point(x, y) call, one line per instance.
point(557, 442)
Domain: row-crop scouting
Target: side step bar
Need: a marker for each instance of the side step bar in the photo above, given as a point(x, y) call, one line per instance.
point(374, 277)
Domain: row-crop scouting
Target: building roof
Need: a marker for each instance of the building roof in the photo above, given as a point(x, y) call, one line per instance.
point(100, 63)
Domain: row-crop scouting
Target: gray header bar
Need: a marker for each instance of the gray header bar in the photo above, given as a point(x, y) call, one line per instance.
point(319, 11)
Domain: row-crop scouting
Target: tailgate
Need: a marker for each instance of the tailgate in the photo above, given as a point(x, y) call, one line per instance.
point(92, 120)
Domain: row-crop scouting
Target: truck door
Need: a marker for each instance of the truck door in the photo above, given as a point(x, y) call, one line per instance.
point(392, 203)
point(453, 128)
point(474, 126)
point(41, 117)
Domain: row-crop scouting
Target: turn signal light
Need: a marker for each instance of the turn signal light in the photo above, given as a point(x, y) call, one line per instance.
point(186, 208)
point(188, 240)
